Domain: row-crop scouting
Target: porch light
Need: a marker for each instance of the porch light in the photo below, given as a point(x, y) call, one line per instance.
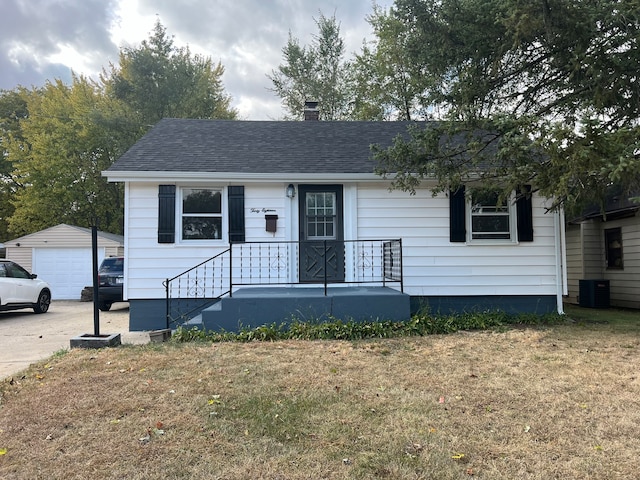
point(291, 191)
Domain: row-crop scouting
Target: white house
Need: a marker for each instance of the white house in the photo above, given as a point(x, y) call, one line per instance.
point(193, 188)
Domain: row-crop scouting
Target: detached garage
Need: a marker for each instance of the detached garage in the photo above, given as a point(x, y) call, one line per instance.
point(61, 255)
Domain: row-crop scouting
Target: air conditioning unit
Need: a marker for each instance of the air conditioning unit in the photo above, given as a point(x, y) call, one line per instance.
point(594, 293)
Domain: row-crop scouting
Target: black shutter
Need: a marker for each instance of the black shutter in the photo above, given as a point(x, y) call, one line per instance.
point(236, 214)
point(525, 215)
point(166, 213)
point(457, 221)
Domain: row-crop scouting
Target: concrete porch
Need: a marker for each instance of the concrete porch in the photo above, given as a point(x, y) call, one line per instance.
point(254, 306)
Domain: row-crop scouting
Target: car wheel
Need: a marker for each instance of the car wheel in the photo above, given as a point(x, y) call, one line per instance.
point(44, 300)
point(105, 307)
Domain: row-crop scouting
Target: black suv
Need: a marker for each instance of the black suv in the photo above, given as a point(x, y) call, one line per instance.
point(110, 280)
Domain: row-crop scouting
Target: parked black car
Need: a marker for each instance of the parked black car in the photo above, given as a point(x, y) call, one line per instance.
point(110, 281)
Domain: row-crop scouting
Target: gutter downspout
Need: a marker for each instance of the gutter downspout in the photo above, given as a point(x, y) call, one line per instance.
point(561, 261)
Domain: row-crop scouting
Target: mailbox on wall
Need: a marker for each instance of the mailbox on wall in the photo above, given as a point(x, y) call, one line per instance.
point(272, 223)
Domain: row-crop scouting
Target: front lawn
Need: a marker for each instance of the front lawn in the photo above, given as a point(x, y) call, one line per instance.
point(560, 401)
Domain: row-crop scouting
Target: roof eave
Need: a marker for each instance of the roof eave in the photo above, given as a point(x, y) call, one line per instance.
point(154, 177)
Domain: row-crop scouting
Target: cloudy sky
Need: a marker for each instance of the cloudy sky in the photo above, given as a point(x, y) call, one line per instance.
point(43, 40)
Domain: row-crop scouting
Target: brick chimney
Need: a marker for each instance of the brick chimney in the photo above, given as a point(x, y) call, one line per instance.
point(311, 111)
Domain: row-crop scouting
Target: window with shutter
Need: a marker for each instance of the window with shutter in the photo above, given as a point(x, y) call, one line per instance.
point(236, 213)
point(479, 216)
point(457, 221)
point(200, 213)
point(524, 211)
point(166, 214)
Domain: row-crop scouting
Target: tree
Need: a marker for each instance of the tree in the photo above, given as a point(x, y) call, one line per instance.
point(13, 109)
point(58, 161)
point(388, 84)
point(57, 140)
point(158, 79)
point(554, 80)
point(316, 72)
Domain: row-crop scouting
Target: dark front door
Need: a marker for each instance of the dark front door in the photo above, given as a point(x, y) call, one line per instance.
point(321, 233)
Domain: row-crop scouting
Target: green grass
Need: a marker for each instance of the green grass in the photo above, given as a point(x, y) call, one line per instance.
point(618, 320)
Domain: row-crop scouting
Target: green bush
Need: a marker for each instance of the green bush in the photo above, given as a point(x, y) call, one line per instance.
point(420, 324)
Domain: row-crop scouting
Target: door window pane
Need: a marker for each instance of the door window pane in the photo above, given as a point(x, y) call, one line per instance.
point(321, 215)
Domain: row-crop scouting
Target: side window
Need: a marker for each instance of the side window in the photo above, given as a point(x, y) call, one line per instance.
point(613, 245)
point(490, 219)
point(201, 215)
point(3, 270)
point(16, 271)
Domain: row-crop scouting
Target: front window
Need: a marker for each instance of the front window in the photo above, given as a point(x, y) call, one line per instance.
point(490, 218)
point(613, 241)
point(201, 214)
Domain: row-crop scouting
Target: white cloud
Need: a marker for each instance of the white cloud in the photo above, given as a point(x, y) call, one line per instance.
point(45, 39)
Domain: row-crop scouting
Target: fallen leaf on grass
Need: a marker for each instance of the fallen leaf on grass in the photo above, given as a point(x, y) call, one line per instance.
point(441, 400)
point(413, 449)
point(3, 451)
point(457, 456)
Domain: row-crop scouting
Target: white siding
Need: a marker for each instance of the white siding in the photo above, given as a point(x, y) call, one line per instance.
point(432, 264)
point(149, 263)
point(435, 266)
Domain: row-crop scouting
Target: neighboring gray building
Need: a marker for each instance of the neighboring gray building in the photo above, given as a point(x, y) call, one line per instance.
point(606, 246)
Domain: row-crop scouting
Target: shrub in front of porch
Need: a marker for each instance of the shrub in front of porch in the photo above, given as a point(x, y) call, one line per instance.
point(336, 329)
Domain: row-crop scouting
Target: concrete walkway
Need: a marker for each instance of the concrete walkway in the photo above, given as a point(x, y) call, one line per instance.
point(26, 338)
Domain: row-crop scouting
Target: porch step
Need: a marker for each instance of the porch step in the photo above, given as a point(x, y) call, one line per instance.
point(194, 322)
point(252, 307)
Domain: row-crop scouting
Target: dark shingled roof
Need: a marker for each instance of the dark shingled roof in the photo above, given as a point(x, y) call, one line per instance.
point(189, 145)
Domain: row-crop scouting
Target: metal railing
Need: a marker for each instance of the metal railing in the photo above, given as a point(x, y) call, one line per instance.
point(324, 262)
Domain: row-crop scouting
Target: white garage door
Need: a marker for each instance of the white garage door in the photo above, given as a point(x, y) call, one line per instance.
point(67, 270)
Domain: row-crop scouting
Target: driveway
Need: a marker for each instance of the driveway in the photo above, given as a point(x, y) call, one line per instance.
point(26, 338)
